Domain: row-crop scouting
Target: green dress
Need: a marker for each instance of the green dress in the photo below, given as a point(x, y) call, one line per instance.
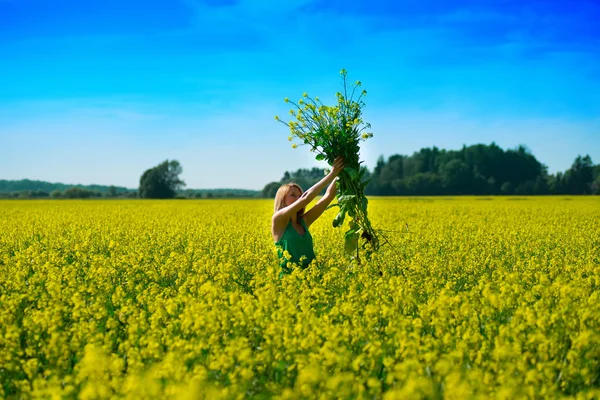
point(297, 245)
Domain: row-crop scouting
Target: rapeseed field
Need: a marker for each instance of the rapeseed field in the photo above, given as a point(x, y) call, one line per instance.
point(493, 297)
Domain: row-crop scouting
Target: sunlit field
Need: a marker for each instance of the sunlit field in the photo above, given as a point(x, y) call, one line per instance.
point(495, 297)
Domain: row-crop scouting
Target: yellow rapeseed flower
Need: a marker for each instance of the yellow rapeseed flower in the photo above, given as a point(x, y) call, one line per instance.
point(180, 304)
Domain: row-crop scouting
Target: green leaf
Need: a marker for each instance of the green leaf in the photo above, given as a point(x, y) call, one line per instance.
point(332, 205)
point(346, 197)
point(352, 173)
point(365, 202)
point(351, 242)
point(320, 157)
point(339, 219)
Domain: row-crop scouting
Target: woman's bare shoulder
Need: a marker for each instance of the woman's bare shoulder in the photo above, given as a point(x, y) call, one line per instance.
point(278, 225)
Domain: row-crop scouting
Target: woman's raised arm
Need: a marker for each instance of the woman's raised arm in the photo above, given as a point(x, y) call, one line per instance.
point(310, 194)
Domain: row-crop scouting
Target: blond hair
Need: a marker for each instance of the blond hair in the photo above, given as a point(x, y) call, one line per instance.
point(280, 197)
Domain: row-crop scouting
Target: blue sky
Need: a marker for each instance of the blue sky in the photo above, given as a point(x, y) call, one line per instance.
point(98, 91)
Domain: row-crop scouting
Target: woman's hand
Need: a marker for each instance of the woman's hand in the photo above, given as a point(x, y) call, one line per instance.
point(338, 166)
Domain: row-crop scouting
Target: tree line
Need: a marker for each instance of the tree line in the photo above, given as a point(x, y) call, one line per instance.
point(473, 170)
point(163, 182)
point(69, 192)
point(159, 182)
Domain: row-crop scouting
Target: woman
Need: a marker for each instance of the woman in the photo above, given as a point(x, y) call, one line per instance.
point(290, 223)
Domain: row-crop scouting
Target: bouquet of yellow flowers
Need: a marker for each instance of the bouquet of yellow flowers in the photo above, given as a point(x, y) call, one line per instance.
point(336, 131)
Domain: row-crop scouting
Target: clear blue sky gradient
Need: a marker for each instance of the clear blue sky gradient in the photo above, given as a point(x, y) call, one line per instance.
point(99, 91)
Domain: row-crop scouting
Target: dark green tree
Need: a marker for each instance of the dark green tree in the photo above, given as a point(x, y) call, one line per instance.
point(162, 181)
point(580, 177)
point(507, 188)
point(456, 177)
point(111, 192)
point(270, 190)
point(596, 182)
point(472, 170)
